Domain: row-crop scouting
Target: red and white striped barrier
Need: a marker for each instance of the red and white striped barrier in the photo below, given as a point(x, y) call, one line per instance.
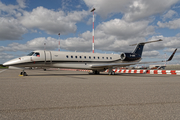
point(128, 71)
point(169, 72)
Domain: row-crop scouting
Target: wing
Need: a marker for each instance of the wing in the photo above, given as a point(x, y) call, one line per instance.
point(129, 63)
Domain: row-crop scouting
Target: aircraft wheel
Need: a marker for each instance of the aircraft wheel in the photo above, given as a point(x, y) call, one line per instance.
point(111, 73)
point(96, 72)
point(23, 74)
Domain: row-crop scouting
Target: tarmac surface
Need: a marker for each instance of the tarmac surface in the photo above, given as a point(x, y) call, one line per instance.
point(74, 95)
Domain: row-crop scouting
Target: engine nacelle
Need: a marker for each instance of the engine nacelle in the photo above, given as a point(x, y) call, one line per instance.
point(129, 57)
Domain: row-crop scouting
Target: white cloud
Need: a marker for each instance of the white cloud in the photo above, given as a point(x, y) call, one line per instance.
point(21, 3)
point(35, 44)
point(169, 14)
point(11, 29)
point(9, 10)
point(126, 30)
point(106, 7)
point(167, 43)
point(4, 56)
point(174, 24)
point(132, 10)
point(178, 35)
point(6, 10)
point(52, 21)
point(152, 53)
point(141, 9)
point(117, 39)
point(66, 4)
point(115, 35)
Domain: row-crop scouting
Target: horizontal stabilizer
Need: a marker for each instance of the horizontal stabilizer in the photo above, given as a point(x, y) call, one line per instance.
point(147, 42)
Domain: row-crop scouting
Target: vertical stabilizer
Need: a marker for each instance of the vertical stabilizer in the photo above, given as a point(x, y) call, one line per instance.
point(139, 48)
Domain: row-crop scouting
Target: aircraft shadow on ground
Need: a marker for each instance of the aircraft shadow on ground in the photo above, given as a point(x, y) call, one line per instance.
point(91, 74)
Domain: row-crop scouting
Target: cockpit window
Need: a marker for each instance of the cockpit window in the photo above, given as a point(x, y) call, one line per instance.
point(34, 54)
point(37, 54)
point(30, 54)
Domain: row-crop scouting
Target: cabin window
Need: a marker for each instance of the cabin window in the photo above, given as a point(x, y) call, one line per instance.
point(110, 57)
point(36, 54)
point(80, 57)
point(75, 56)
point(89, 57)
point(94, 57)
point(106, 57)
point(98, 57)
point(102, 57)
point(67, 56)
point(71, 56)
point(84, 57)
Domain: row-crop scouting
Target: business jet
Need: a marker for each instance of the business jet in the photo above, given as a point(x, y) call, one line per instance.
point(77, 60)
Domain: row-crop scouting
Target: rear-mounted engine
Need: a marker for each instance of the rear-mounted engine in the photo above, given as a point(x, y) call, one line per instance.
point(129, 56)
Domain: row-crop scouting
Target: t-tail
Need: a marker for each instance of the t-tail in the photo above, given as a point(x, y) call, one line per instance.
point(137, 53)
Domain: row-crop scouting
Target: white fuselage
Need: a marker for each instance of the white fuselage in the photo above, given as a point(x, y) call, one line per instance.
point(78, 60)
point(58, 59)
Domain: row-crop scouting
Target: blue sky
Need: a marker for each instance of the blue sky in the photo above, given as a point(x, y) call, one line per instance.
point(25, 25)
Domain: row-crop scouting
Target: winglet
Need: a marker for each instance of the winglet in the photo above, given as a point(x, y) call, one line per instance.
point(170, 58)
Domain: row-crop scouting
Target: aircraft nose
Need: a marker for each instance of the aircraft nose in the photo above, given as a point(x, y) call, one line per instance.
point(6, 64)
point(10, 63)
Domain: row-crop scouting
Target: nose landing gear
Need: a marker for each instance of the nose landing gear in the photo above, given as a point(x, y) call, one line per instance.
point(23, 73)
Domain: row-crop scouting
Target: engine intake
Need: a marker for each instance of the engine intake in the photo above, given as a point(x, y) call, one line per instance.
point(123, 56)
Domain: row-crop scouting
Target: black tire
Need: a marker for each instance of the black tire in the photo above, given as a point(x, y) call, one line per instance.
point(111, 73)
point(25, 74)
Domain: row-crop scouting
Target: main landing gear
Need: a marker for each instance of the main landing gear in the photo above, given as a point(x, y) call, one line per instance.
point(111, 72)
point(95, 72)
point(23, 73)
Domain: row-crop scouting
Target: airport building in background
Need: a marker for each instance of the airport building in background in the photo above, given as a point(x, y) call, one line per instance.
point(168, 67)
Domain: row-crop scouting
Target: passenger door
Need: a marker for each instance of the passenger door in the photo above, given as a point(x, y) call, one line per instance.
point(48, 57)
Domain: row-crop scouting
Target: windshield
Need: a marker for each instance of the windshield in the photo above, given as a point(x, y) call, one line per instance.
point(30, 54)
